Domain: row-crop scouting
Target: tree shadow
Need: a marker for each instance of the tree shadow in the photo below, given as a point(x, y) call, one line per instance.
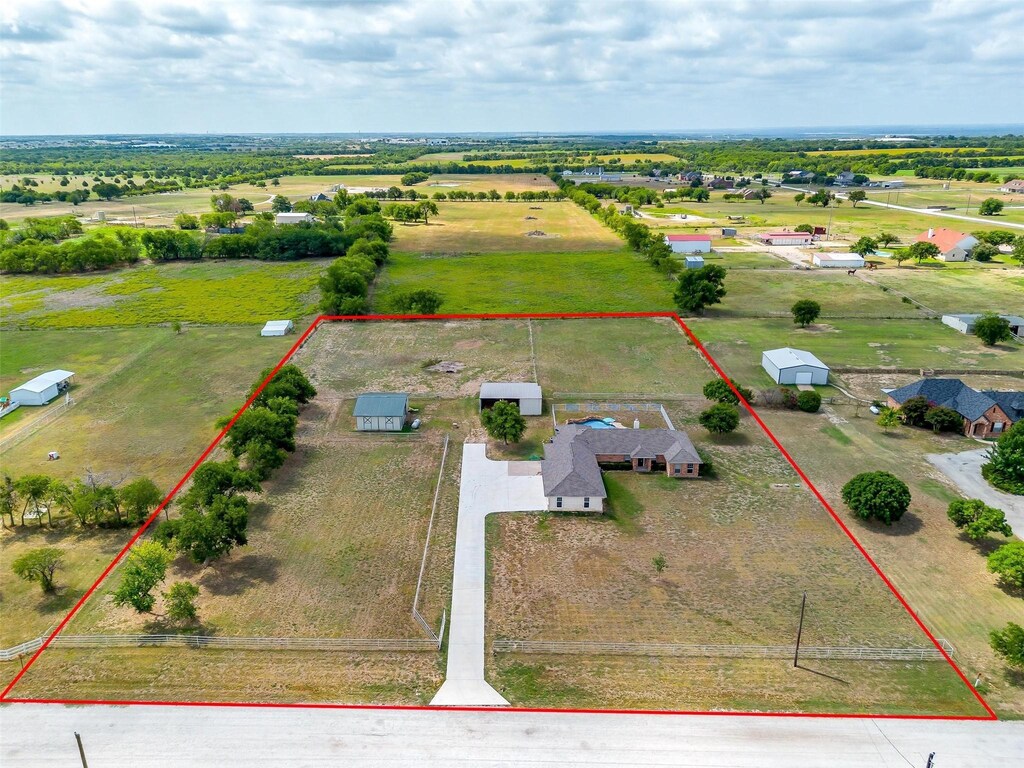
point(907, 525)
point(161, 625)
point(1013, 590)
point(240, 574)
point(822, 674)
point(985, 546)
point(61, 601)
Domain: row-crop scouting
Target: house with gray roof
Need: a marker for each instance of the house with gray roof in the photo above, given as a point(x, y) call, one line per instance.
point(381, 412)
point(986, 413)
point(571, 469)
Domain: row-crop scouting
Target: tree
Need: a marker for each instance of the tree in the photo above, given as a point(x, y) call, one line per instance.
point(32, 489)
point(145, 567)
point(180, 601)
point(280, 204)
point(762, 194)
point(799, 197)
point(805, 312)
point(877, 495)
point(701, 195)
point(1005, 466)
point(977, 520)
point(1008, 563)
point(106, 190)
point(659, 562)
point(139, 498)
point(865, 247)
point(900, 255)
point(943, 419)
point(720, 391)
point(504, 422)
point(990, 206)
point(176, 326)
point(206, 533)
point(822, 197)
point(857, 196)
point(809, 401)
point(913, 411)
point(1008, 643)
point(720, 418)
point(186, 221)
point(921, 251)
point(992, 329)
point(420, 302)
point(8, 500)
point(888, 418)
point(700, 288)
point(217, 478)
point(288, 382)
point(1018, 250)
point(885, 239)
point(984, 252)
point(40, 565)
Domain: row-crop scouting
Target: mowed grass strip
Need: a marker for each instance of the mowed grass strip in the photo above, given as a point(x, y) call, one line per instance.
point(609, 281)
point(959, 290)
point(202, 292)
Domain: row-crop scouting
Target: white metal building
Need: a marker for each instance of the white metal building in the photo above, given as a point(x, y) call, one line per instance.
point(794, 366)
point(785, 238)
point(689, 243)
point(293, 217)
point(694, 262)
point(526, 395)
point(43, 388)
point(381, 412)
point(834, 260)
point(277, 328)
point(965, 323)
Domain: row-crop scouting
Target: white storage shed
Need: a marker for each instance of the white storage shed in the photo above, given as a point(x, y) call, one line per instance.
point(689, 243)
point(526, 395)
point(794, 366)
point(836, 260)
point(43, 388)
point(293, 217)
point(277, 328)
point(694, 262)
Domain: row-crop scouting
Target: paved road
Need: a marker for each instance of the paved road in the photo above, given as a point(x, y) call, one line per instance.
point(33, 735)
point(942, 214)
point(964, 469)
point(486, 486)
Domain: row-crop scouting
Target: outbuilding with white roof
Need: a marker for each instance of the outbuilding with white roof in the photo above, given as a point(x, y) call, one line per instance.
point(526, 395)
point(277, 328)
point(794, 366)
point(43, 388)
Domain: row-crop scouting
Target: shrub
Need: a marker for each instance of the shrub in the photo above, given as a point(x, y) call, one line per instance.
point(1005, 466)
point(720, 418)
point(913, 410)
point(877, 495)
point(1008, 563)
point(943, 419)
point(976, 519)
point(808, 402)
point(1008, 643)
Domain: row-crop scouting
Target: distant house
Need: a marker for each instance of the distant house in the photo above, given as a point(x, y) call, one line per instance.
point(953, 245)
point(1015, 186)
point(592, 170)
point(800, 175)
point(43, 388)
point(718, 182)
point(694, 262)
point(527, 396)
point(965, 323)
point(985, 413)
point(689, 243)
point(319, 197)
point(794, 366)
point(277, 328)
point(571, 469)
point(381, 412)
point(837, 260)
point(785, 238)
point(845, 178)
point(892, 184)
point(293, 217)
point(748, 193)
point(689, 176)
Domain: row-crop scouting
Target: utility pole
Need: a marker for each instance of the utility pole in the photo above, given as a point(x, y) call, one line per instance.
point(81, 750)
point(968, 204)
point(931, 760)
point(799, 632)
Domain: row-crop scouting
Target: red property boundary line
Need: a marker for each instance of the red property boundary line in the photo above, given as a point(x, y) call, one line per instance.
point(6, 698)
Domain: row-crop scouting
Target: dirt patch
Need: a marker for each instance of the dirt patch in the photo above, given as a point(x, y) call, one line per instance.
point(446, 366)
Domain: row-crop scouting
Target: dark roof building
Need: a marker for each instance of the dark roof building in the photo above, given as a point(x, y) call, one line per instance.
point(986, 413)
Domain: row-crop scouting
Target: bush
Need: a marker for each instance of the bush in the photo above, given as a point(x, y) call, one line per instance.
point(720, 391)
point(1008, 563)
point(943, 419)
point(1005, 466)
point(1008, 643)
point(720, 418)
point(808, 402)
point(877, 495)
point(976, 519)
point(913, 411)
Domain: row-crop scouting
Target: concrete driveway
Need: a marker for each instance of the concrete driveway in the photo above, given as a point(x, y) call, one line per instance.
point(964, 469)
point(486, 486)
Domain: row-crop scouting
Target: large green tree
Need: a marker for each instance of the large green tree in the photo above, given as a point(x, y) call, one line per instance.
point(1008, 643)
point(805, 312)
point(990, 206)
point(504, 422)
point(145, 567)
point(33, 490)
point(921, 251)
point(720, 391)
point(720, 418)
point(992, 329)
point(865, 247)
point(857, 196)
point(700, 288)
point(1008, 563)
point(1005, 466)
point(877, 495)
point(40, 565)
point(138, 498)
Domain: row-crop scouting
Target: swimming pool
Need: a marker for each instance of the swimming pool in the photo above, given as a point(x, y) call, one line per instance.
point(598, 423)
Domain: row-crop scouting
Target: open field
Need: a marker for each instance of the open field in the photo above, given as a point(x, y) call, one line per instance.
point(739, 553)
point(940, 573)
point(530, 282)
point(206, 292)
point(737, 345)
point(487, 227)
point(439, 182)
point(626, 158)
point(961, 290)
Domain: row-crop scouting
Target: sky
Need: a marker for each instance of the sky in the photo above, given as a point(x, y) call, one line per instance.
point(196, 66)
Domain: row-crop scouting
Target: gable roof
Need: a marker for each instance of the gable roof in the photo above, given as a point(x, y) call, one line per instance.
point(511, 390)
point(946, 239)
point(968, 402)
point(381, 404)
point(787, 357)
point(570, 465)
point(45, 380)
point(1014, 184)
point(278, 325)
point(688, 238)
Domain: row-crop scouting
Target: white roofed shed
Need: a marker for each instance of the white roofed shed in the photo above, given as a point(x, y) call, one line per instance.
point(526, 395)
point(277, 328)
point(43, 388)
point(794, 366)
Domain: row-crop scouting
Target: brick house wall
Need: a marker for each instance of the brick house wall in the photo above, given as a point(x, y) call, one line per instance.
point(985, 426)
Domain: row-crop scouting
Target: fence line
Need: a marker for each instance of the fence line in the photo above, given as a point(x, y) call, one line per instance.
point(34, 426)
point(722, 651)
point(437, 638)
point(611, 396)
point(925, 371)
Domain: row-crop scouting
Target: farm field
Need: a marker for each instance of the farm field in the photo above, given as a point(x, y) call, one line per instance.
point(487, 227)
point(206, 292)
point(734, 575)
point(953, 290)
point(529, 282)
point(940, 573)
point(964, 199)
point(439, 182)
point(737, 345)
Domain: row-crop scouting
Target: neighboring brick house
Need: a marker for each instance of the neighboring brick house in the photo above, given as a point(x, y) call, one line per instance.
point(952, 245)
point(571, 468)
point(986, 413)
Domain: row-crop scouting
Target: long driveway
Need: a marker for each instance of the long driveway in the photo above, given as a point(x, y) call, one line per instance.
point(33, 735)
point(486, 486)
point(964, 469)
